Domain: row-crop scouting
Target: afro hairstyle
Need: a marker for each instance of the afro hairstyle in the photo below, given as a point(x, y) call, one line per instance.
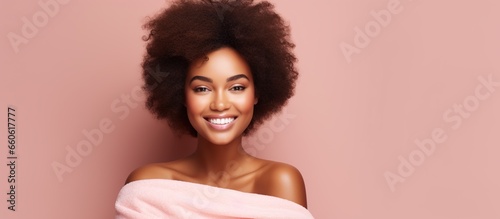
point(188, 30)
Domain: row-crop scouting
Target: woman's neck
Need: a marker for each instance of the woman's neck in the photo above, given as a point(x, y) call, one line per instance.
point(218, 159)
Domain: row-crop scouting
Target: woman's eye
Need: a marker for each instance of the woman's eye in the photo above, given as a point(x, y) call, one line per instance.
point(200, 89)
point(238, 88)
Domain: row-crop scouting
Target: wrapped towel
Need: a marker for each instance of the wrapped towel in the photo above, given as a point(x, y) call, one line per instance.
point(163, 198)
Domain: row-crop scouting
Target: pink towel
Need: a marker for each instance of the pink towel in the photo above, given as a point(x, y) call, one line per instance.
point(162, 198)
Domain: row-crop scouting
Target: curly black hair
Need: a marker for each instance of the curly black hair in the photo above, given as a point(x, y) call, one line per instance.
point(190, 29)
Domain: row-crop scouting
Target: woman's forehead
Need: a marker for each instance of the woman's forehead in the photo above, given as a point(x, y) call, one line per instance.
point(224, 62)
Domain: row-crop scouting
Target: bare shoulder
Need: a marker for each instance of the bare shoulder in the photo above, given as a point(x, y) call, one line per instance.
point(152, 171)
point(284, 181)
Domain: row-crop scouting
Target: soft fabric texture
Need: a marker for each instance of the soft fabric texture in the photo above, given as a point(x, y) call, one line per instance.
point(163, 198)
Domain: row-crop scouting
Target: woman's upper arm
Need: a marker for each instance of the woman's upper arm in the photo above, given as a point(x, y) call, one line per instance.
point(150, 171)
point(286, 182)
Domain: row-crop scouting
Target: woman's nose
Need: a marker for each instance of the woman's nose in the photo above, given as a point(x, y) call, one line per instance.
point(220, 102)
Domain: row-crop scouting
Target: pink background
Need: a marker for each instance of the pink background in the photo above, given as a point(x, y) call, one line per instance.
point(354, 119)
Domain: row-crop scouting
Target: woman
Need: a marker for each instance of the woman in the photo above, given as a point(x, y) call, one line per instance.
point(216, 70)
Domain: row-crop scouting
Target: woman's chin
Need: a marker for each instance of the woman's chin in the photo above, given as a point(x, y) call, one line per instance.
point(220, 141)
point(221, 138)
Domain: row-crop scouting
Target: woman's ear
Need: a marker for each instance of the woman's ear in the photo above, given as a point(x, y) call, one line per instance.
point(256, 101)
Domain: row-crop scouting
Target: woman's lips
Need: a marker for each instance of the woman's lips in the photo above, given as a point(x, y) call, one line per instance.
point(220, 123)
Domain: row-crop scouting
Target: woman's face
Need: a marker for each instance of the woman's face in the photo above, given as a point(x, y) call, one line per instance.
point(220, 96)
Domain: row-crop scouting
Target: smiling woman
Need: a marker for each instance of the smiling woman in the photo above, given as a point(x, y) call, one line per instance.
point(228, 67)
point(220, 97)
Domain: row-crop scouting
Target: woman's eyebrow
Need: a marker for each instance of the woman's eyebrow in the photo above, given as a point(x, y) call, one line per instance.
point(232, 78)
point(236, 77)
point(201, 78)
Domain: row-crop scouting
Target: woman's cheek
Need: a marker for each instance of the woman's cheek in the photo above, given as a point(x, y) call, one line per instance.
point(195, 103)
point(245, 103)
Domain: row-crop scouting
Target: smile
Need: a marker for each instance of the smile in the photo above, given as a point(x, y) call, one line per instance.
point(221, 124)
point(221, 121)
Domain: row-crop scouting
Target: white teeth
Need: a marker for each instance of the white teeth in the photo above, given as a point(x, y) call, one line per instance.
point(222, 121)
